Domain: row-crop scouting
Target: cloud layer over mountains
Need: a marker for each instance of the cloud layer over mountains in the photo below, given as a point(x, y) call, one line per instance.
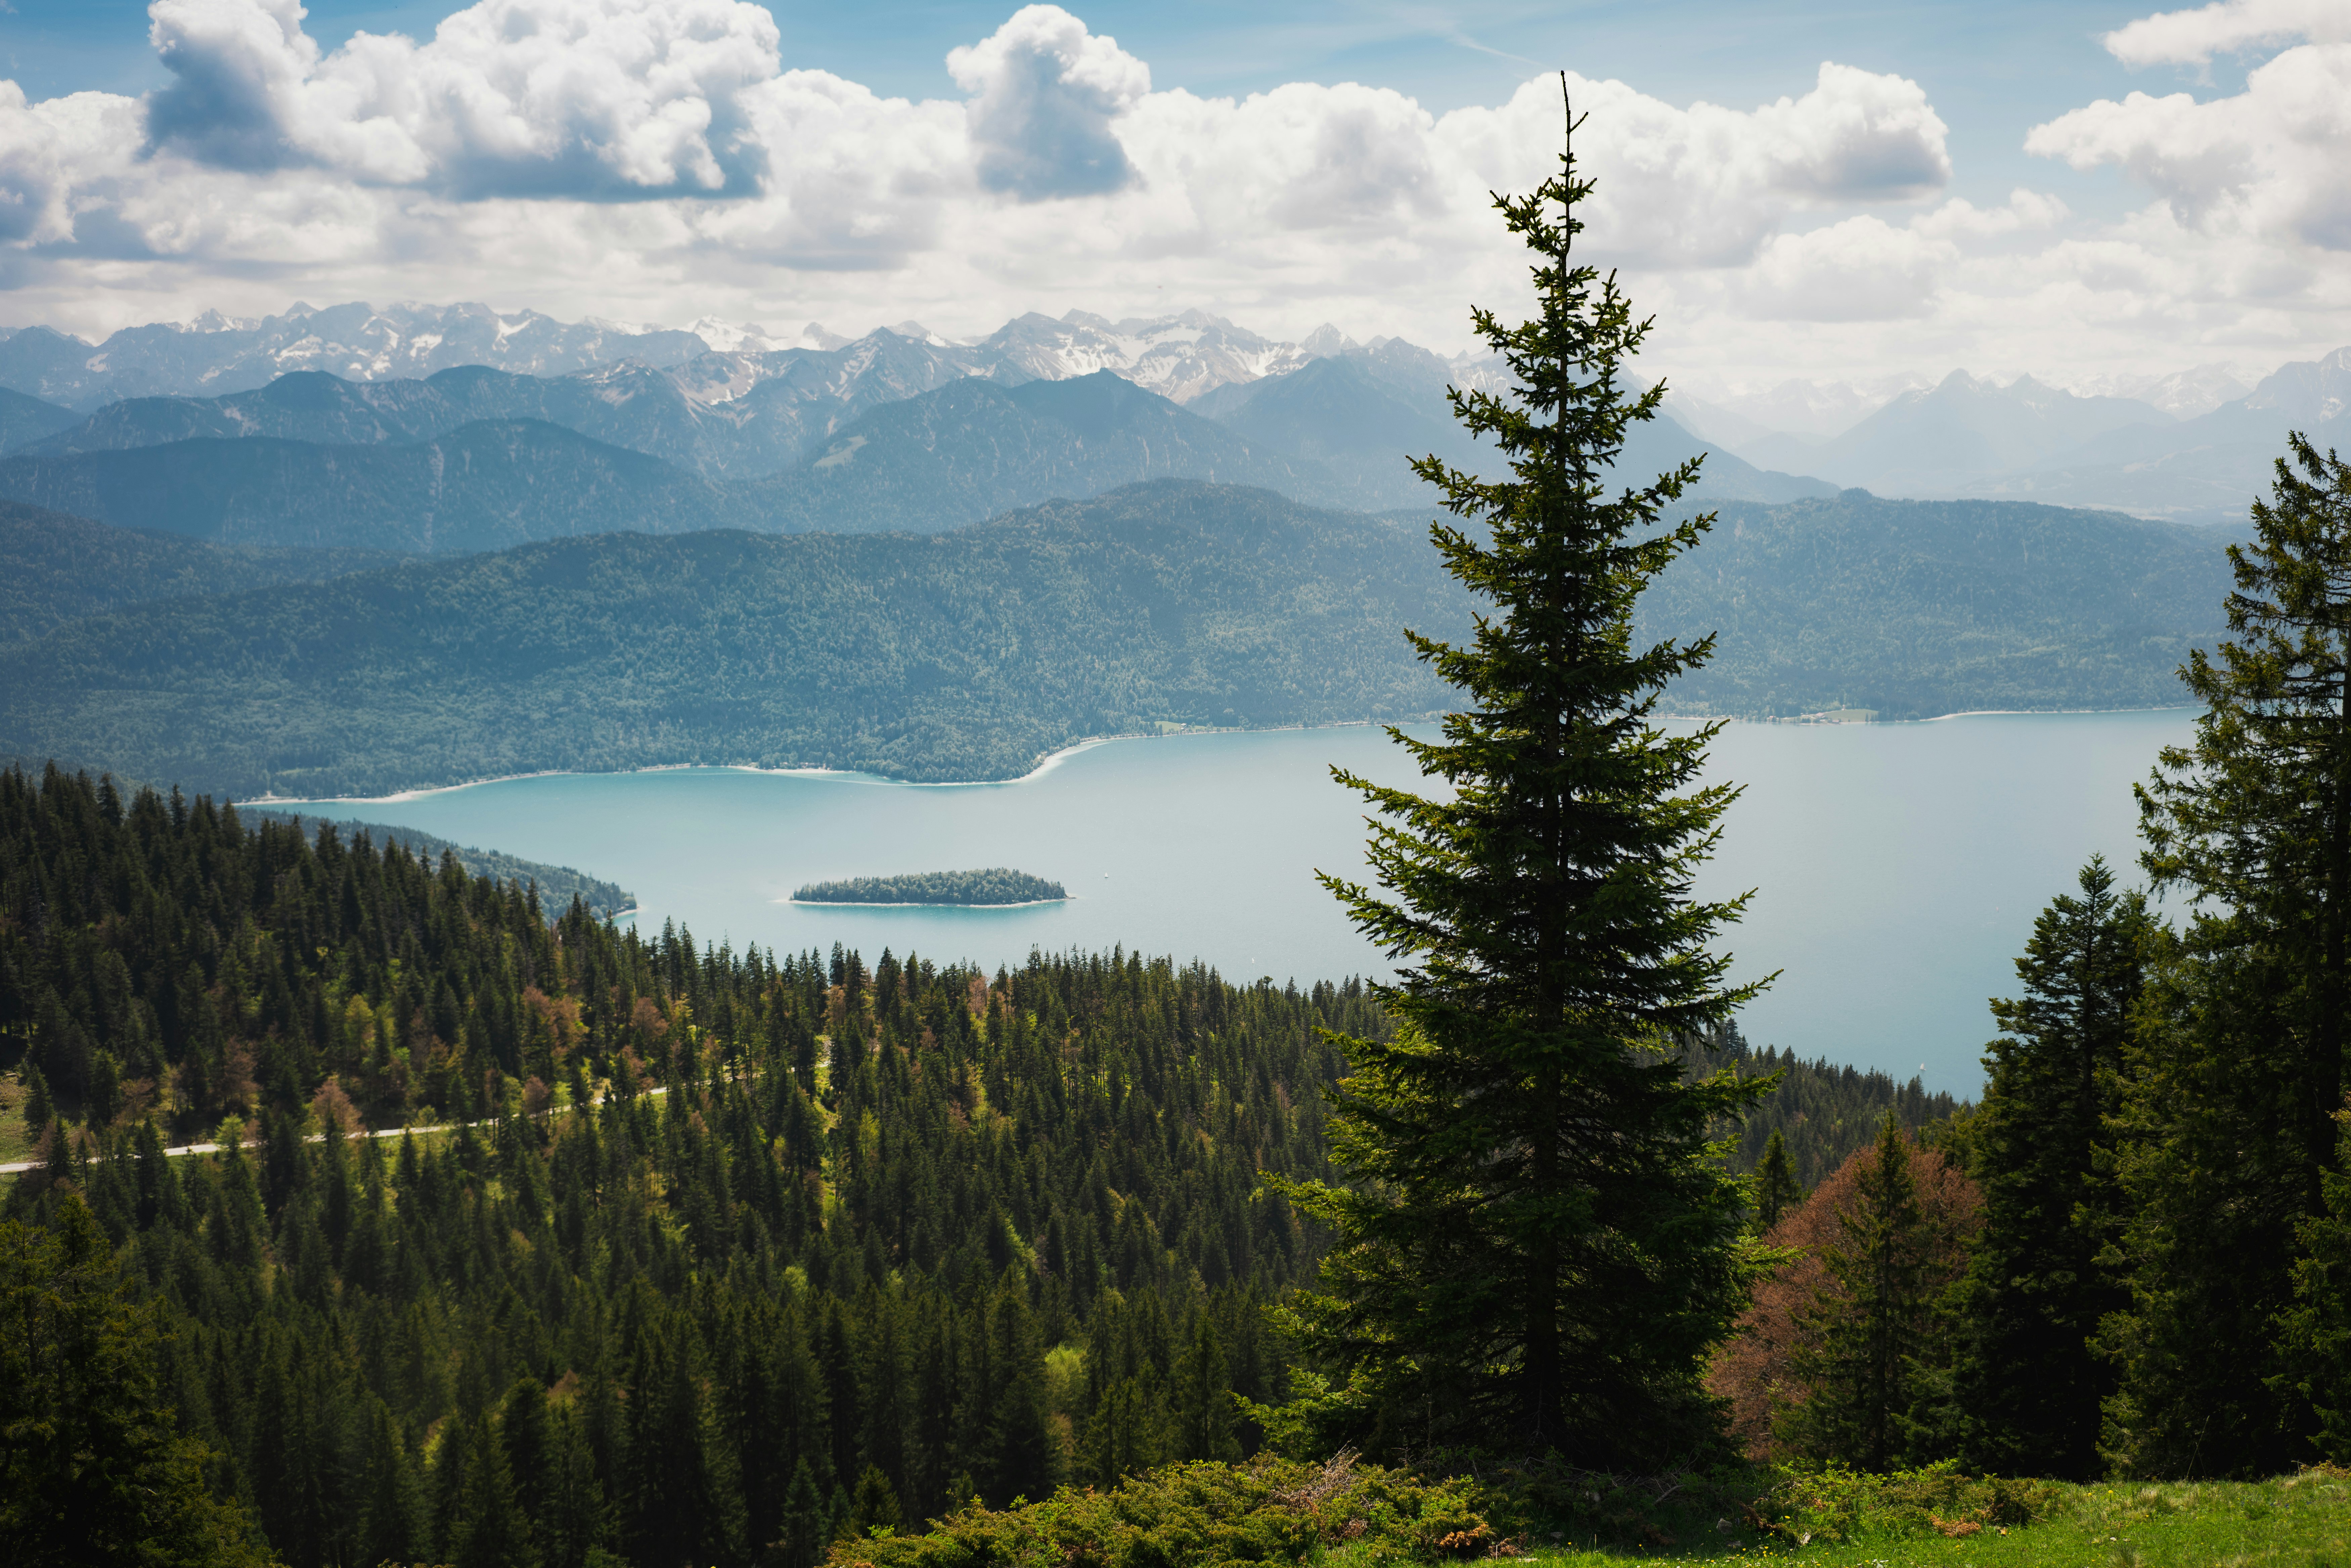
point(664, 159)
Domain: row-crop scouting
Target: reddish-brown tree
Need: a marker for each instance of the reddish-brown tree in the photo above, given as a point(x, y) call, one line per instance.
point(1755, 1369)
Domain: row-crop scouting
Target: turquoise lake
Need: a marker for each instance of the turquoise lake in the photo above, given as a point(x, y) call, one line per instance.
point(1897, 867)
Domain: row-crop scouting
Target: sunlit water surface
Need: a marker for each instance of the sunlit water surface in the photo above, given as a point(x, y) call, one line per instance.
point(1897, 868)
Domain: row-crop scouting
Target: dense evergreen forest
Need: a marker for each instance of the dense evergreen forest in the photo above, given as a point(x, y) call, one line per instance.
point(1822, 1111)
point(56, 568)
point(722, 1249)
point(830, 1243)
point(557, 886)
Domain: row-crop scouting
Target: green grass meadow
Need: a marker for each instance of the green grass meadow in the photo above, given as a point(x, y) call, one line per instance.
point(2297, 1522)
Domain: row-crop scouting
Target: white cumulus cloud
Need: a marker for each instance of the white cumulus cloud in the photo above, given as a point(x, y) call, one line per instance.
point(1044, 93)
point(57, 153)
point(557, 98)
point(2227, 26)
point(1706, 185)
point(2264, 165)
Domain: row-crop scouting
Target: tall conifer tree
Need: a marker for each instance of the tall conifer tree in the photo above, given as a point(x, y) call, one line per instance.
point(2228, 1132)
point(1777, 1191)
point(2028, 1382)
point(1534, 1239)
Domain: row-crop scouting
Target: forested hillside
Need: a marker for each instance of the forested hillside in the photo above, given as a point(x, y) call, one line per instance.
point(724, 1251)
point(55, 568)
point(970, 654)
point(834, 1248)
point(1921, 608)
point(25, 419)
point(485, 485)
point(1824, 1112)
point(557, 885)
point(962, 655)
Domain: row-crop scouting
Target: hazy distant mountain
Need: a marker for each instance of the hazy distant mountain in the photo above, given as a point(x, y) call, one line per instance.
point(1711, 423)
point(216, 354)
point(1327, 419)
point(962, 655)
point(958, 454)
point(1940, 441)
point(482, 487)
point(1363, 414)
point(1342, 414)
point(24, 419)
point(55, 568)
point(2183, 394)
point(2307, 393)
point(745, 337)
point(1819, 409)
point(743, 416)
point(721, 416)
point(2207, 469)
point(1179, 356)
point(973, 449)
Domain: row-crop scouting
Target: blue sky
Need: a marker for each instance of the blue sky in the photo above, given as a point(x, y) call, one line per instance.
point(2132, 234)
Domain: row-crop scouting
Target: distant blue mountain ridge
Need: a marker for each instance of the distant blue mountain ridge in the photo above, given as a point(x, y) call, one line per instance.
point(1329, 422)
point(1971, 438)
point(892, 430)
point(474, 459)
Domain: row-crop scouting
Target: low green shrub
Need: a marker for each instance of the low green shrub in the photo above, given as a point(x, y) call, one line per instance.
point(1828, 1501)
point(1277, 1512)
point(1203, 1515)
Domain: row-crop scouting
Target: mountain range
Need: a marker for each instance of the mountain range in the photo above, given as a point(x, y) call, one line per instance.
point(961, 453)
point(217, 353)
point(886, 433)
point(1358, 413)
point(735, 401)
point(1179, 356)
point(1966, 436)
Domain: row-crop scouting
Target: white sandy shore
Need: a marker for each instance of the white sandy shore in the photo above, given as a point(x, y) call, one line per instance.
point(1055, 758)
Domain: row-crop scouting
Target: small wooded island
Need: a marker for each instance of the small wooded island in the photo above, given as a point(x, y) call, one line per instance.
point(998, 884)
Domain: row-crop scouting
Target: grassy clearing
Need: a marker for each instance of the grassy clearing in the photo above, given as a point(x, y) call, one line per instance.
point(15, 1138)
point(2297, 1522)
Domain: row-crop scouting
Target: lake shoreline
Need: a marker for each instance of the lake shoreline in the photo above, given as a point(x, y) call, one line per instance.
point(1208, 853)
point(1054, 759)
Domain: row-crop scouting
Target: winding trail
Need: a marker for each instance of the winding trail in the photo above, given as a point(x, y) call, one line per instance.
point(21, 1166)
